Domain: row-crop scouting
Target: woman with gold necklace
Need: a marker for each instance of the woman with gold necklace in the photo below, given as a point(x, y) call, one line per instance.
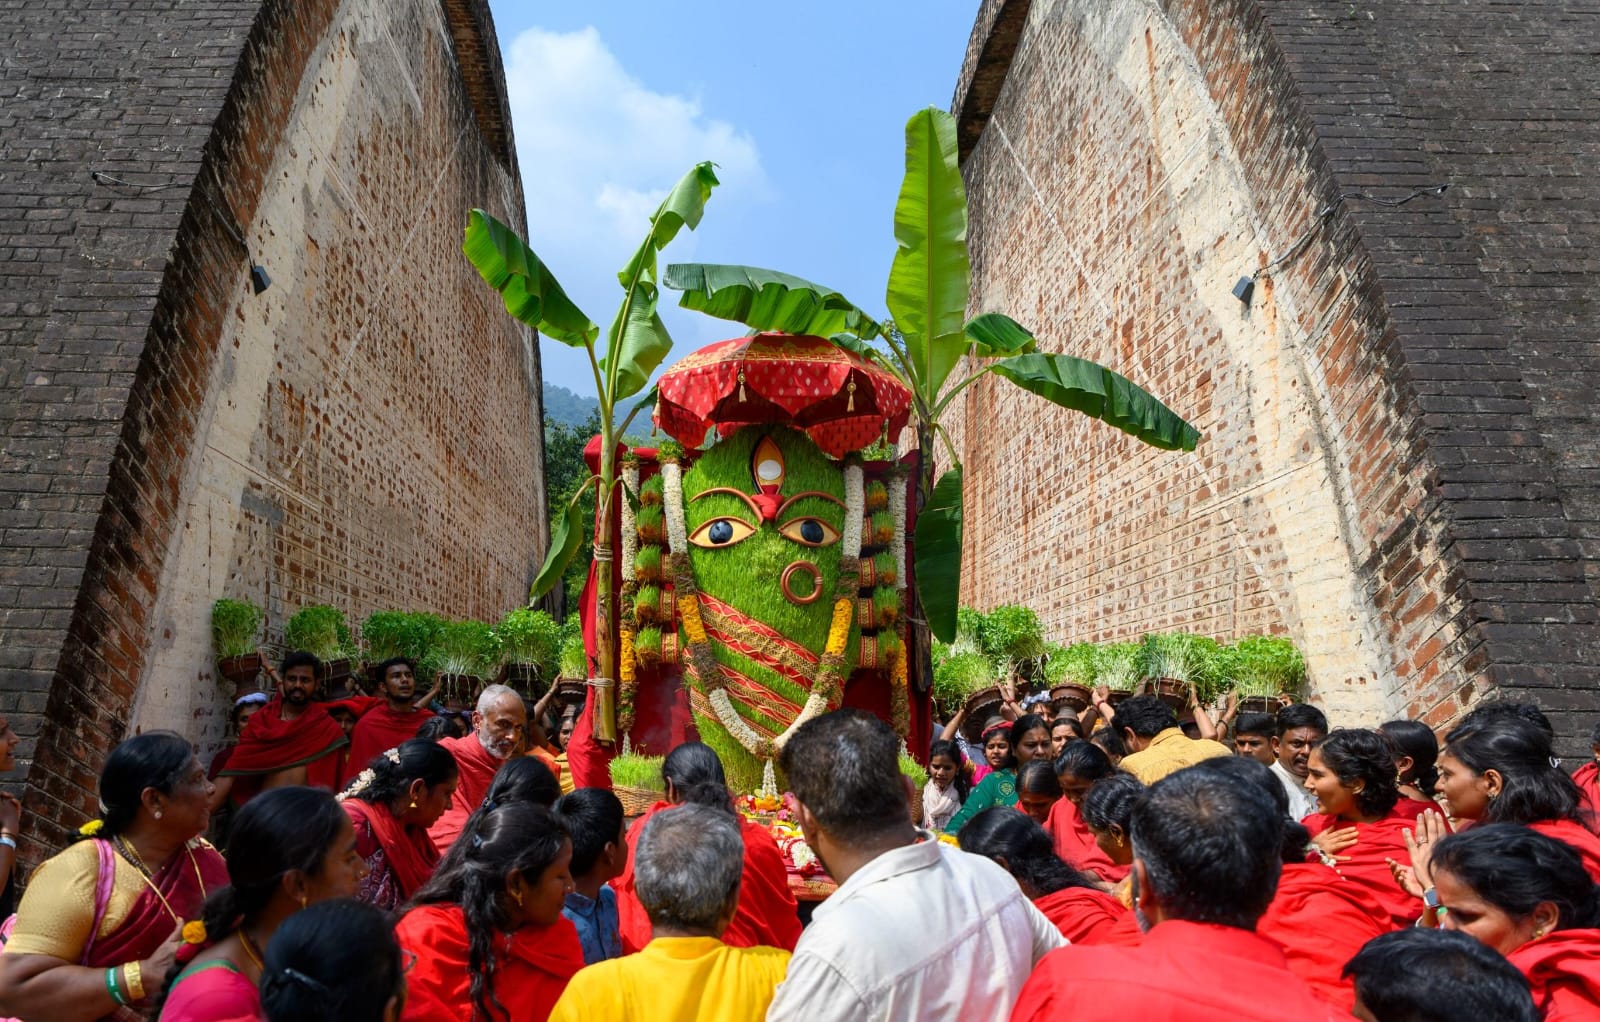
point(290, 847)
point(101, 922)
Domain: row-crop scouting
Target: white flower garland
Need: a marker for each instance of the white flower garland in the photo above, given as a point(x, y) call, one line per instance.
point(630, 532)
point(855, 505)
point(897, 509)
point(672, 499)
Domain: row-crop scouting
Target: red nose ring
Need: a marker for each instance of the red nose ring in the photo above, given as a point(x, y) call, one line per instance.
point(788, 580)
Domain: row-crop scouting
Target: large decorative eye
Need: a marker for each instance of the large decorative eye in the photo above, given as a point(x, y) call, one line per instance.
point(809, 531)
point(720, 532)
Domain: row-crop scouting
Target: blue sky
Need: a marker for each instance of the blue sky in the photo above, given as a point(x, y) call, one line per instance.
point(803, 106)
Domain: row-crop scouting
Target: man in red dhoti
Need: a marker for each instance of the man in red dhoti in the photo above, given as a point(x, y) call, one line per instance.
point(1206, 847)
point(396, 719)
point(499, 725)
point(291, 740)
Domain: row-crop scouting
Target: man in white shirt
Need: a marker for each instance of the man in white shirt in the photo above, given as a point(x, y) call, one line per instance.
point(917, 929)
point(1300, 727)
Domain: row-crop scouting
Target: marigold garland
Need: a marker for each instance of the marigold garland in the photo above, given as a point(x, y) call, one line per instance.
point(625, 671)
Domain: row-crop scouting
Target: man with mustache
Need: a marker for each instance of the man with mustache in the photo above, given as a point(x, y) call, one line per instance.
point(1299, 728)
point(291, 740)
point(499, 725)
point(386, 725)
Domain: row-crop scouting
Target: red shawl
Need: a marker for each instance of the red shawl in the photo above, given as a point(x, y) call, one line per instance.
point(379, 730)
point(271, 744)
point(1582, 840)
point(1368, 868)
point(149, 924)
point(1563, 970)
point(1587, 778)
point(1414, 809)
point(1321, 920)
point(409, 851)
point(767, 916)
point(1086, 916)
point(1075, 843)
point(527, 980)
point(477, 774)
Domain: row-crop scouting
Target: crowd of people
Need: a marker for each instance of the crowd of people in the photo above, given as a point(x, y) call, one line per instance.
point(1117, 865)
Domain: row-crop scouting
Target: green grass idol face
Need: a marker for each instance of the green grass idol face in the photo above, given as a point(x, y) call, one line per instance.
point(764, 512)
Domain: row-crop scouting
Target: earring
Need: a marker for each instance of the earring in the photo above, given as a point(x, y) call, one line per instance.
point(302, 901)
point(1119, 840)
point(157, 813)
point(518, 896)
point(413, 804)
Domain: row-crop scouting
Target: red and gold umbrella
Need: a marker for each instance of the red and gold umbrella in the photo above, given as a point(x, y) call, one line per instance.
point(842, 401)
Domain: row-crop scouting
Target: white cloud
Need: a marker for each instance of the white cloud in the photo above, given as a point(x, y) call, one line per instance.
point(598, 151)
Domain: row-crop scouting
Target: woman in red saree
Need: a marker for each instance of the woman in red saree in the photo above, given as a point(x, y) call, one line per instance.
point(392, 803)
point(1529, 897)
point(1357, 828)
point(1496, 768)
point(1080, 765)
point(487, 931)
point(768, 915)
point(291, 847)
point(1071, 900)
point(100, 923)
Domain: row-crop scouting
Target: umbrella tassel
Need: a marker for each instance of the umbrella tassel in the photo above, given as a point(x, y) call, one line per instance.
point(741, 386)
point(850, 405)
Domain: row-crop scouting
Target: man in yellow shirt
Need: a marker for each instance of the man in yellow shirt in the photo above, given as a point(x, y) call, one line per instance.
point(686, 869)
point(1157, 745)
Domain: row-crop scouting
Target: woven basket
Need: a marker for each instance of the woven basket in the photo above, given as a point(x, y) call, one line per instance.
point(636, 801)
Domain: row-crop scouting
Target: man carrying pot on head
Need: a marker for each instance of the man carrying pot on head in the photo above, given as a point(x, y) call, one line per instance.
point(499, 727)
point(290, 740)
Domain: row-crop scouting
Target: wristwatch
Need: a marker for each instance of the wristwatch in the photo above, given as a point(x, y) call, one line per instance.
point(1430, 898)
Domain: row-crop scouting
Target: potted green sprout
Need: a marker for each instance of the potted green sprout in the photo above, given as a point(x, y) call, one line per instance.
point(1264, 668)
point(530, 642)
point(1011, 635)
point(322, 632)
point(391, 633)
point(1176, 662)
point(1119, 666)
point(1070, 673)
point(636, 780)
point(235, 626)
point(462, 655)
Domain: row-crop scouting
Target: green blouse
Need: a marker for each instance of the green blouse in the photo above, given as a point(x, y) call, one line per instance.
point(997, 789)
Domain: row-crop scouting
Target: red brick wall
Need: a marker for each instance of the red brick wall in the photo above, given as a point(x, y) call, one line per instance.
point(1368, 429)
point(364, 433)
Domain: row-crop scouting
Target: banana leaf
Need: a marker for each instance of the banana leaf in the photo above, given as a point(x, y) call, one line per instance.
point(767, 300)
point(566, 535)
point(995, 333)
point(938, 556)
point(927, 294)
point(638, 338)
point(1112, 398)
point(528, 288)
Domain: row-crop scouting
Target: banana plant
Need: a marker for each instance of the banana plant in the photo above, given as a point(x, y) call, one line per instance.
point(923, 342)
point(635, 344)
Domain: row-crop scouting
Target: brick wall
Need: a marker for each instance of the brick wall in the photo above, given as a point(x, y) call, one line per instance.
point(1383, 477)
point(364, 433)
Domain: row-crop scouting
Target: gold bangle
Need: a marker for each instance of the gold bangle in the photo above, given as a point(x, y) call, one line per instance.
point(133, 981)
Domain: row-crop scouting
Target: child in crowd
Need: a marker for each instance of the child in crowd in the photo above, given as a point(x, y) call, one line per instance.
point(996, 748)
point(599, 852)
point(947, 787)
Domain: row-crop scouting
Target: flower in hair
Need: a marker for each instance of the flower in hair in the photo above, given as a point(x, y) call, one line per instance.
point(91, 828)
point(194, 932)
point(393, 756)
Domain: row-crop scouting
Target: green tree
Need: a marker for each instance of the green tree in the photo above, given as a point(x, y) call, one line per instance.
point(567, 479)
point(924, 344)
point(634, 346)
